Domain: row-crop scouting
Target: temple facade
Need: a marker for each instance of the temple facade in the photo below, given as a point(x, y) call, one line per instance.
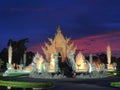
point(59, 58)
point(58, 44)
point(56, 51)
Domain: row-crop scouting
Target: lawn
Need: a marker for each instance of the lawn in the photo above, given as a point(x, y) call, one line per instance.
point(111, 73)
point(115, 84)
point(26, 84)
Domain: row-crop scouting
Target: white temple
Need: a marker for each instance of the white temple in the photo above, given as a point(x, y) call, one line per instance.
point(59, 46)
point(59, 50)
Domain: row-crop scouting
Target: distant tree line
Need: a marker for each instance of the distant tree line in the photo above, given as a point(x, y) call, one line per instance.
point(19, 48)
point(102, 58)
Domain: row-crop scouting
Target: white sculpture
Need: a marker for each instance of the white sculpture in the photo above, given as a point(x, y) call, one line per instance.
point(72, 60)
point(89, 66)
point(24, 59)
point(56, 62)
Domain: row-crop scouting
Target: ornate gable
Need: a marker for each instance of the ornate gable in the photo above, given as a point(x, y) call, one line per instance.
point(58, 44)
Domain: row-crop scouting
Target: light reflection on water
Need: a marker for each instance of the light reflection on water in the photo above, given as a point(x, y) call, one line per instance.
point(11, 88)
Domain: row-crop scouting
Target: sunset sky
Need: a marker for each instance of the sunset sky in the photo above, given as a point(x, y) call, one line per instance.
point(87, 22)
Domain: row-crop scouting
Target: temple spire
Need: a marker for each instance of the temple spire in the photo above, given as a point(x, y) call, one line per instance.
point(10, 54)
point(108, 53)
point(58, 29)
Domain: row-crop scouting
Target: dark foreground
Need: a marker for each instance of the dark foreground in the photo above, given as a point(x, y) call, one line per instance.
point(72, 83)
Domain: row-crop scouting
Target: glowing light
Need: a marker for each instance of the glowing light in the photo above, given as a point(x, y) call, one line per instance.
point(80, 63)
point(52, 64)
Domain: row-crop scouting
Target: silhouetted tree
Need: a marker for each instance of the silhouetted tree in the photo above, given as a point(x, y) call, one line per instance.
point(103, 58)
point(30, 56)
point(113, 59)
point(1, 63)
point(118, 63)
point(18, 48)
point(4, 57)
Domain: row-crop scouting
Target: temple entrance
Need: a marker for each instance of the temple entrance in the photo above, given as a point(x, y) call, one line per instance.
point(60, 44)
point(65, 68)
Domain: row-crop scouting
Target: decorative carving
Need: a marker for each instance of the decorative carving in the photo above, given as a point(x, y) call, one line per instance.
point(58, 45)
point(80, 63)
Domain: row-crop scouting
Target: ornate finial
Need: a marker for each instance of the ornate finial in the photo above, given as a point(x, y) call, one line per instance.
point(58, 29)
point(108, 44)
point(10, 44)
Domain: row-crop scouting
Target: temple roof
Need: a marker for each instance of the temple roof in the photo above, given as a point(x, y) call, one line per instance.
point(59, 36)
point(58, 44)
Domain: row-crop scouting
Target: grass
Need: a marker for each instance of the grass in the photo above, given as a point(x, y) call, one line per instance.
point(26, 84)
point(10, 76)
point(1, 73)
point(115, 84)
point(112, 73)
point(17, 74)
point(14, 74)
